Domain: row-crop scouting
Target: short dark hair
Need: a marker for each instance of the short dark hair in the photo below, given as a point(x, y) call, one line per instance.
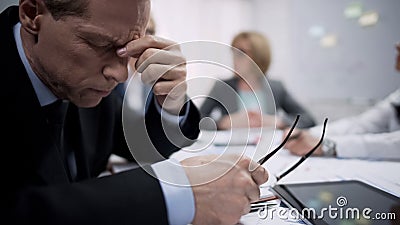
point(63, 8)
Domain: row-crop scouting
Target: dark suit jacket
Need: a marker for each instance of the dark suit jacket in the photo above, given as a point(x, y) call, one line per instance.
point(36, 188)
point(224, 99)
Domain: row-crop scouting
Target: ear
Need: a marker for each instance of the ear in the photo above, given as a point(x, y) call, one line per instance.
point(30, 14)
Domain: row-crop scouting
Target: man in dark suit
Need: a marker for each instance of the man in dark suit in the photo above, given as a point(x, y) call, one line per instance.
point(61, 121)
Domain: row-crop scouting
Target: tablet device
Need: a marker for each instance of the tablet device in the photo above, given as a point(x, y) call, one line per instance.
point(340, 202)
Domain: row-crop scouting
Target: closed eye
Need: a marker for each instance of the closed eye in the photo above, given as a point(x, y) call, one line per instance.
point(102, 48)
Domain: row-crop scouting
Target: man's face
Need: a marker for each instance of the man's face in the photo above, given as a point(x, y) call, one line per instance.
point(77, 57)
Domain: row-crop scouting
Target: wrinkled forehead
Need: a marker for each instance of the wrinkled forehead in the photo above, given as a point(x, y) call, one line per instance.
point(122, 19)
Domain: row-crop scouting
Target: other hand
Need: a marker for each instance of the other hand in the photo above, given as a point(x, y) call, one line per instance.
point(302, 142)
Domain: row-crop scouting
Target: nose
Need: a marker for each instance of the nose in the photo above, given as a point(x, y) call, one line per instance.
point(116, 69)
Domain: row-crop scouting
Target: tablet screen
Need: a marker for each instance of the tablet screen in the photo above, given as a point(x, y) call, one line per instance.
point(341, 203)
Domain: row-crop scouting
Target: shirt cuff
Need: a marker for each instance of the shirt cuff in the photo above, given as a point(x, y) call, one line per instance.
point(177, 191)
point(350, 147)
point(170, 117)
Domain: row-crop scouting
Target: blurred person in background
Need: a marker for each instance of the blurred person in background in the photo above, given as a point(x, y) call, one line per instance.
point(374, 134)
point(252, 90)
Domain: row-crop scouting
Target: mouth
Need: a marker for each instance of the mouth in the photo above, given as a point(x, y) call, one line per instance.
point(102, 93)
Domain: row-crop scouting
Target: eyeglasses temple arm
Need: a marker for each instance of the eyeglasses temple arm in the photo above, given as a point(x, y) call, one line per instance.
point(306, 155)
point(264, 159)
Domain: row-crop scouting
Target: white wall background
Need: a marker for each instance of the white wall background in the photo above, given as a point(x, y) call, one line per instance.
point(338, 81)
point(188, 20)
point(5, 3)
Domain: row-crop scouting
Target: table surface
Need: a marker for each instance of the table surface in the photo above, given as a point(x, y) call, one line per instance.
point(381, 174)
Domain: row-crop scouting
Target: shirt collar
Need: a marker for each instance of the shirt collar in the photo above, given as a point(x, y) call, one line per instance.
point(43, 93)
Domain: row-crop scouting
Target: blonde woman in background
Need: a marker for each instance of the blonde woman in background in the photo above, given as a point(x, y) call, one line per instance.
point(251, 85)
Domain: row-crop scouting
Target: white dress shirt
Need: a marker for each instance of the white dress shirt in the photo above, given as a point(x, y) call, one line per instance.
point(374, 134)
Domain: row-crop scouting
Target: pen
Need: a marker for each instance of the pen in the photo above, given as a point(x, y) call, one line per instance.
point(263, 203)
point(265, 199)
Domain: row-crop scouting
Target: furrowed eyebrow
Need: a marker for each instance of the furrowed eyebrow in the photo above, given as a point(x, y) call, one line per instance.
point(97, 38)
point(100, 38)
